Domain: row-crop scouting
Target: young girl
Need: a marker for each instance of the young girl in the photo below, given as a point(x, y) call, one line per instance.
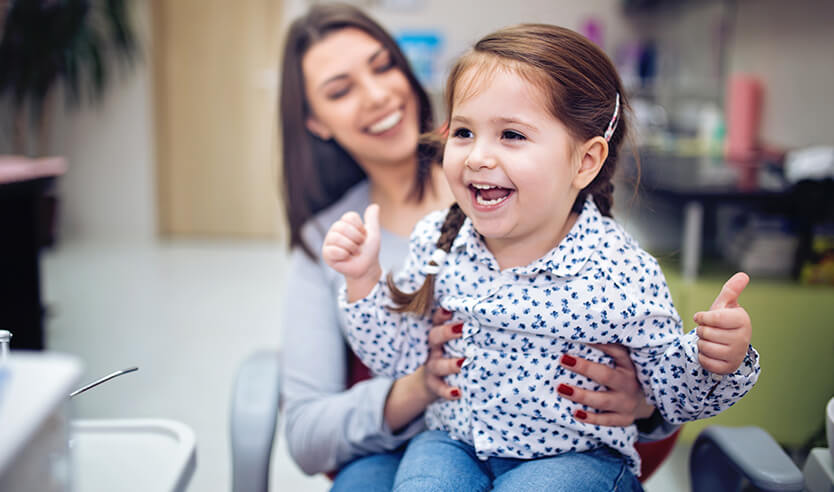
point(530, 260)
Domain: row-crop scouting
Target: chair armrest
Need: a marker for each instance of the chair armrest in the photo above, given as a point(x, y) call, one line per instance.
point(722, 456)
point(253, 418)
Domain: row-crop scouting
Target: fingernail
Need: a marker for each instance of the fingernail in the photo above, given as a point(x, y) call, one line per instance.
point(580, 414)
point(455, 393)
point(568, 360)
point(445, 311)
point(461, 361)
point(565, 389)
point(457, 328)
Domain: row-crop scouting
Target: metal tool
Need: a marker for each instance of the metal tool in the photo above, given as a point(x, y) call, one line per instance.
point(102, 380)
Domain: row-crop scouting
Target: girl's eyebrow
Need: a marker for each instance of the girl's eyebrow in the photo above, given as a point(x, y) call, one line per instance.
point(512, 121)
point(499, 120)
point(342, 76)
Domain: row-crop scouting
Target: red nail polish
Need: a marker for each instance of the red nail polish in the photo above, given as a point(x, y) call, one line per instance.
point(455, 393)
point(445, 311)
point(568, 360)
point(565, 389)
point(457, 328)
point(460, 361)
point(581, 415)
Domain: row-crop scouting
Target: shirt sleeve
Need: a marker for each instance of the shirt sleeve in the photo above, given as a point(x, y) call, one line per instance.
point(667, 360)
point(327, 425)
point(390, 343)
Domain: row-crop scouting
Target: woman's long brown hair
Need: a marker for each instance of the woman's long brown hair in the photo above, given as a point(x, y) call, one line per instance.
point(580, 85)
point(316, 173)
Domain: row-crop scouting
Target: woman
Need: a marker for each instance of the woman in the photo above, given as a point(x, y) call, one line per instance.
point(352, 113)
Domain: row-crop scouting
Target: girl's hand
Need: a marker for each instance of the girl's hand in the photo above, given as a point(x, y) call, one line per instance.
point(622, 403)
point(352, 249)
point(438, 366)
point(724, 331)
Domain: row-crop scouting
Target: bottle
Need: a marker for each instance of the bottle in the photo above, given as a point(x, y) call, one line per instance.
point(5, 339)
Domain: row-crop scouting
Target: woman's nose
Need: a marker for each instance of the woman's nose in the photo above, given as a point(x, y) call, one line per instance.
point(376, 93)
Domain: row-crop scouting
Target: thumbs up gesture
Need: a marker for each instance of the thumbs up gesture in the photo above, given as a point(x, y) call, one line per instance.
point(351, 247)
point(724, 331)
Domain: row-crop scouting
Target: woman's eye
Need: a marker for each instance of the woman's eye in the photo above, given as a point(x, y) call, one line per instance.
point(512, 135)
point(339, 93)
point(462, 133)
point(384, 64)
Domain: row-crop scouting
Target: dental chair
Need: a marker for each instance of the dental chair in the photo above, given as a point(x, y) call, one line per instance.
point(722, 458)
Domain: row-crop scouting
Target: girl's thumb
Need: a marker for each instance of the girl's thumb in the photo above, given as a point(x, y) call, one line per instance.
point(372, 223)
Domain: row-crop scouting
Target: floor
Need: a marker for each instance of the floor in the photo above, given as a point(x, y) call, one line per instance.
point(185, 313)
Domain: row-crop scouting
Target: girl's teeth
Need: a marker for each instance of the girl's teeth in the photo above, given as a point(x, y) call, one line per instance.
point(386, 123)
point(496, 201)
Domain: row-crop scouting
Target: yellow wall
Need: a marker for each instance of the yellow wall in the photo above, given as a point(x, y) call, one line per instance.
point(215, 65)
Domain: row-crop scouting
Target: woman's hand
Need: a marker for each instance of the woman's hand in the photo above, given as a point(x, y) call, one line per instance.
point(622, 403)
point(438, 366)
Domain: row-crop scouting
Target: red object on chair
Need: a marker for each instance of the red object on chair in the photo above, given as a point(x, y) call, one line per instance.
point(652, 454)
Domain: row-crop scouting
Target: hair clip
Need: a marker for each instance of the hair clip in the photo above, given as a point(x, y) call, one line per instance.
point(612, 125)
point(438, 258)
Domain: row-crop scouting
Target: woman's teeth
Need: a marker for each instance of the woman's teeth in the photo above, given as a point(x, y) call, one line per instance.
point(386, 123)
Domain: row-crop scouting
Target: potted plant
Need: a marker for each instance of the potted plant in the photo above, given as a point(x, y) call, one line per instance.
point(45, 44)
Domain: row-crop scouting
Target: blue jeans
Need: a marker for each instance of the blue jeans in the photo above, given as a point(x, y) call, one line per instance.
point(435, 462)
point(371, 473)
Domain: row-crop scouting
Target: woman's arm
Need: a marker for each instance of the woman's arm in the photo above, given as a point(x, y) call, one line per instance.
point(326, 424)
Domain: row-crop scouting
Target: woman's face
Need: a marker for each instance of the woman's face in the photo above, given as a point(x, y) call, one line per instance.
point(358, 97)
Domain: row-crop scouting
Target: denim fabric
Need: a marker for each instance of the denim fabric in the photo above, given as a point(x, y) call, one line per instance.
point(435, 462)
point(371, 473)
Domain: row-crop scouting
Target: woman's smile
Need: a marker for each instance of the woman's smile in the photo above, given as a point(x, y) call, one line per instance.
point(387, 123)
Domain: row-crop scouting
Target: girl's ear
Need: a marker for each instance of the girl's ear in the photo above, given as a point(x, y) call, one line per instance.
point(318, 128)
point(592, 156)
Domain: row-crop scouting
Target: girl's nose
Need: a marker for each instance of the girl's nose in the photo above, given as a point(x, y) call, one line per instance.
point(480, 158)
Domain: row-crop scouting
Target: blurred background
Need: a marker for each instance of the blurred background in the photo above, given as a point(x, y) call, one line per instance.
point(140, 211)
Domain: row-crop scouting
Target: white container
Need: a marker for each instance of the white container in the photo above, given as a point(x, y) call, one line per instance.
point(34, 421)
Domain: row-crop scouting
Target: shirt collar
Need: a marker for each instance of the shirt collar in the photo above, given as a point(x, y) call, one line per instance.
point(566, 259)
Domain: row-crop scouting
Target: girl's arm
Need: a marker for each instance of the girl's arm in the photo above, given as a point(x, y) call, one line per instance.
point(671, 368)
point(391, 343)
point(327, 425)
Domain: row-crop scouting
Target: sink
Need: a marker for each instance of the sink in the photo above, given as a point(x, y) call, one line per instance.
point(131, 455)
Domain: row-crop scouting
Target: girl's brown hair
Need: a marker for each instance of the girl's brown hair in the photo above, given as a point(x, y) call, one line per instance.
point(580, 85)
point(316, 172)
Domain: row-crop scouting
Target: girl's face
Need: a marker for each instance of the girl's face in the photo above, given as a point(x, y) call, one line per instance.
point(358, 97)
point(512, 166)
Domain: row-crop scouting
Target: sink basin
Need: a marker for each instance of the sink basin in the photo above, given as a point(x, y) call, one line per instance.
point(141, 455)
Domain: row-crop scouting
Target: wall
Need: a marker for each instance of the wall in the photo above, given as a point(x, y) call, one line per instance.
point(109, 189)
point(789, 45)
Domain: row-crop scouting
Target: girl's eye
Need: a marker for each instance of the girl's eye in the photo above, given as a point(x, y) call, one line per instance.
point(512, 135)
point(462, 133)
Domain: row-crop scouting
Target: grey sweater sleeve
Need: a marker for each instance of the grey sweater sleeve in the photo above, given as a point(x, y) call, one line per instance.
point(327, 425)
